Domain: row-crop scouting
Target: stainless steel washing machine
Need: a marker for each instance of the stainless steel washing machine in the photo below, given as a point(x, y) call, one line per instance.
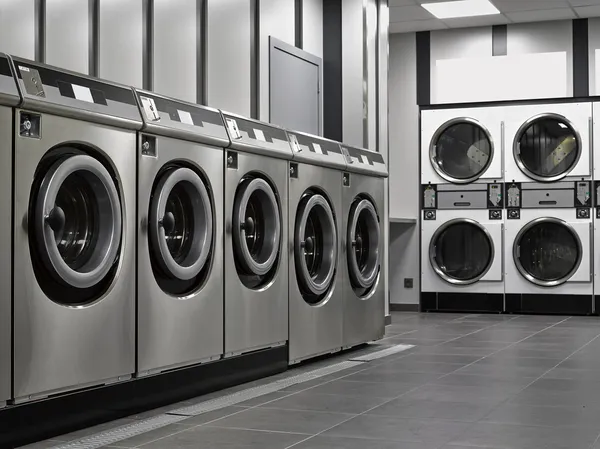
point(315, 225)
point(362, 246)
point(74, 231)
point(9, 98)
point(256, 228)
point(180, 234)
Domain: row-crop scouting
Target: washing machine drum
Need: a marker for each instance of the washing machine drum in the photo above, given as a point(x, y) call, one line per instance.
point(461, 150)
point(256, 227)
point(181, 223)
point(547, 251)
point(461, 251)
point(363, 244)
point(315, 246)
point(77, 221)
point(547, 147)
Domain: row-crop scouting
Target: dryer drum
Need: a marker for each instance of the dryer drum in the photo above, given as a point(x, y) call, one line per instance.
point(461, 150)
point(315, 246)
point(547, 147)
point(256, 226)
point(461, 251)
point(181, 223)
point(77, 221)
point(547, 251)
point(363, 244)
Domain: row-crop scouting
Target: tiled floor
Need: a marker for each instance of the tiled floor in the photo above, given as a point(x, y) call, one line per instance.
point(471, 381)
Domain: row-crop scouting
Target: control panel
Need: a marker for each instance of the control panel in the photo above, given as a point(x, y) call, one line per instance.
point(533, 195)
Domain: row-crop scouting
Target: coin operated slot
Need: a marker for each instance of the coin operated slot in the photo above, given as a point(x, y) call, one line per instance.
point(346, 179)
point(514, 214)
point(429, 197)
point(495, 196)
point(293, 170)
point(583, 213)
point(496, 214)
point(30, 125)
point(582, 193)
point(429, 215)
point(513, 195)
point(232, 160)
point(149, 146)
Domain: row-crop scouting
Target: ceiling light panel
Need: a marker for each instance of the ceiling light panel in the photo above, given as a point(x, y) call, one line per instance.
point(461, 8)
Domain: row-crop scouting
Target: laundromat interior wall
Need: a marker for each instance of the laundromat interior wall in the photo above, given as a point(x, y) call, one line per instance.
point(469, 65)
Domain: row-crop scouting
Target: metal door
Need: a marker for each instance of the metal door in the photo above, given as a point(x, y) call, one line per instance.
point(363, 245)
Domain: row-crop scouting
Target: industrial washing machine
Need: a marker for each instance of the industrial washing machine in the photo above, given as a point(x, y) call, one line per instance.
point(316, 302)
point(596, 200)
point(548, 143)
point(362, 240)
point(549, 248)
point(256, 227)
point(180, 234)
point(9, 98)
point(462, 251)
point(74, 231)
point(461, 146)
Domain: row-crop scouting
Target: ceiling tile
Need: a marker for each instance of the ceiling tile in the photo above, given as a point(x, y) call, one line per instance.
point(401, 3)
point(529, 5)
point(416, 25)
point(584, 2)
point(409, 13)
point(588, 11)
point(541, 15)
point(479, 21)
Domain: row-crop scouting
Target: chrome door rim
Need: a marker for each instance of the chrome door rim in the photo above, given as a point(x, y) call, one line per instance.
point(437, 268)
point(517, 146)
point(433, 148)
point(272, 220)
point(364, 280)
point(521, 268)
point(203, 224)
point(109, 215)
point(329, 258)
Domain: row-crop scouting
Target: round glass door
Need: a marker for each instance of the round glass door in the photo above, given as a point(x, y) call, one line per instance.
point(77, 221)
point(363, 244)
point(256, 227)
point(315, 246)
point(461, 251)
point(547, 251)
point(547, 147)
point(181, 223)
point(461, 150)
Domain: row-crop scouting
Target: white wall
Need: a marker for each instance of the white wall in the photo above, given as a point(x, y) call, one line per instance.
point(67, 34)
point(352, 72)
point(17, 19)
point(312, 27)
point(594, 50)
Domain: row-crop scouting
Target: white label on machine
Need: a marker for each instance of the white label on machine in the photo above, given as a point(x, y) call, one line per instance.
point(233, 128)
point(185, 117)
point(150, 108)
point(294, 141)
point(364, 159)
point(82, 93)
point(23, 69)
point(259, 135)
point(317, 148)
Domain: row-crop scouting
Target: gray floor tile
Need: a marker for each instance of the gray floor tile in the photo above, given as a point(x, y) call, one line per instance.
point(369, 389)
point(530, 415)
point(459, 393)
point(504, 371)
point(153, 435)
point(326, 403)
point(420, 367)
point(573, 373)
point(325, 442)
point(212, 416)
point(265, 398)
point(376, 375)
point(453, 411)
point(441, 358)
point(473, 380)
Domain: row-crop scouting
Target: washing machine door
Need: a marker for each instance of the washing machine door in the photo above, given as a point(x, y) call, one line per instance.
point(181, 223)
point(256, 227)
point(315, 246)
point(461, 251)
point(547, 251)
point(461, 150)
point(363, 244)
point(78, 221)
point(547, 147)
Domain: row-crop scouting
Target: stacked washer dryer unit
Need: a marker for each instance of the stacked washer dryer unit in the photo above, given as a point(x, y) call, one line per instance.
point(548, 196)
point(180, 234)
point(362, 241)
point(256, 229)
point(596, 201)
point(74, 231)
point(316, 301)
point(9, 98)
point(462, 218)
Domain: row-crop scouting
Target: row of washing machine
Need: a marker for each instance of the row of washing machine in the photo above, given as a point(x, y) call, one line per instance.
point(143, 234)
point(507, 208)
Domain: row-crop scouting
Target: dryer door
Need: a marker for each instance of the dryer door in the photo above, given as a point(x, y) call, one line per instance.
point(77, 221)
point(547, 147)
point(461, 251)
point(363, 244)
point(547, 251)
point(315, 247)
point(461, 150)
point(181, 223)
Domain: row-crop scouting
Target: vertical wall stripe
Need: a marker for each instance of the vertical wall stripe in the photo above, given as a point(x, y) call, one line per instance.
point(40, 30)
point(377, 59)
point(499, 40)
point(423, 68)
point(365, 83)
point(94, 39)
point(332, 69)
point(254, 59)
point(299, 23)
point(148, 44)
point(201, 50)
point(581, 74)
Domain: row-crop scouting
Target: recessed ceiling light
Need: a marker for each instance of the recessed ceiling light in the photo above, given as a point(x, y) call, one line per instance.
point(461, 8)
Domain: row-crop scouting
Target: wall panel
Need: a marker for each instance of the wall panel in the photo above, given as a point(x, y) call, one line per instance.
point(68, 34)
point(312, 27)
point(17, 28)
point(352, 72)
